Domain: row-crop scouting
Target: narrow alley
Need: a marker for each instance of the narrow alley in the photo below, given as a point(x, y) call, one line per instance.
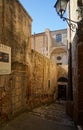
point(47, 117)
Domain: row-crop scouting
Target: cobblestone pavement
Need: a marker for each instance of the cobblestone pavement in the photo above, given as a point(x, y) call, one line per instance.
point(52, 117)
point(55, 112)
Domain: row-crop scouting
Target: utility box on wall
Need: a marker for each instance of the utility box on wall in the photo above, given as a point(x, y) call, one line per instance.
point(5, 59)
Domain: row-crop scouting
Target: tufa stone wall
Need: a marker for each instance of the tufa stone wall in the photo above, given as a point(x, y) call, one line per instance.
point(28, 86)
point(15, 31)
point(5, 99)
point(33, 79)
point(44, 80)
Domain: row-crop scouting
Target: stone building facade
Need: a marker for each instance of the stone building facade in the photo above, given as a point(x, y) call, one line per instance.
point(58, 50)
point(52, 44)
point(41, 42)
point(33, 77)
point(75, 41)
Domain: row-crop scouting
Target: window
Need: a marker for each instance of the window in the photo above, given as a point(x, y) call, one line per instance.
point(58, 38)
point(48, 83)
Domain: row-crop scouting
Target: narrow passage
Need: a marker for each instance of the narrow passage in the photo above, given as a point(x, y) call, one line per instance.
point(47, 117)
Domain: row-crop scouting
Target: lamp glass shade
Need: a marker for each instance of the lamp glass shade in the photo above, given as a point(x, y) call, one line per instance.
point(61, 7)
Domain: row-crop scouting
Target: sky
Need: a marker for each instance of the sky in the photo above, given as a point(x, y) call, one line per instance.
point(43, 15)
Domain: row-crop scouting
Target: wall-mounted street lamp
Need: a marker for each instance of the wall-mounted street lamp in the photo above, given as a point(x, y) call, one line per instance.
point(60, 7)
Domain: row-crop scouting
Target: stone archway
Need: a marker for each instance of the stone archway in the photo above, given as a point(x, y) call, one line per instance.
point(62, 88)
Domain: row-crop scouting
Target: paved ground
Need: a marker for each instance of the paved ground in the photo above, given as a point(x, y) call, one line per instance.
point(52, 117)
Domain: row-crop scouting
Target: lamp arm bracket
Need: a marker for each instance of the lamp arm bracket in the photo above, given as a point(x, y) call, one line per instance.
point(71, 23)
point(67, 19)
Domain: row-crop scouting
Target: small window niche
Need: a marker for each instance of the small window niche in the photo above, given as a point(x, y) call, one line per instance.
point(48, 83)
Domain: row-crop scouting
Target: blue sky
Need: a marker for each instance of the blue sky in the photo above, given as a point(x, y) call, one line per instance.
point(43, 14)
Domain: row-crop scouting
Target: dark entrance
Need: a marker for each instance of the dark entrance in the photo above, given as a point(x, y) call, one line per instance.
point(62, 85)
point(62, 92)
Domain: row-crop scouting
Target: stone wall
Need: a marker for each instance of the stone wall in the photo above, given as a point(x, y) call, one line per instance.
point(76, 61)
point(28, 86)
point(15, 29)
point(5, 99)
point(15, 32)
point(77, 69)
point(44, 79)
point(33, 79)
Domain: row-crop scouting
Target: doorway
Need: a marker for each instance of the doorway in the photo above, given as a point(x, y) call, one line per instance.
point(62, 92)
point(62, 88)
